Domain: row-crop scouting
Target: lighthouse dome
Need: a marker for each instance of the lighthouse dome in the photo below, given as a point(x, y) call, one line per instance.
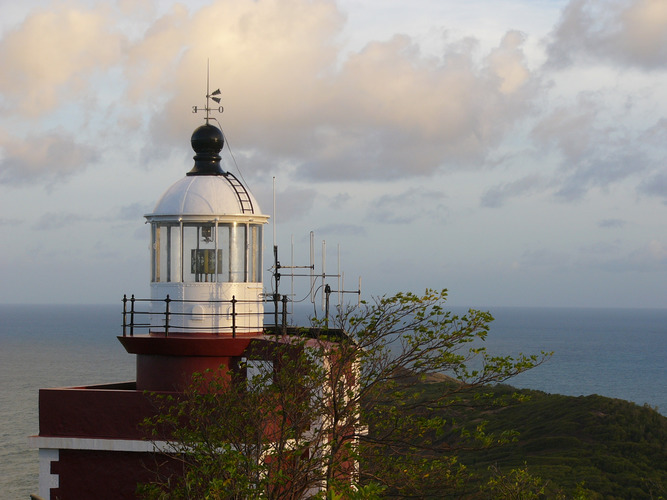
point(207, 195)
point(207, 190)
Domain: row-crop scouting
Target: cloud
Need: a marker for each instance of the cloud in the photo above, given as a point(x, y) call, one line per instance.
point(650, 257)
point(46, 157)
point(408, 206)
point(51, 221)
point(134, 212)
point(340, 200)
point(342, 229)
point(656, 185)
point(627, 32)
point(544, 258)
point(400, 114)
point(291, 93)
point(10, 221)
point(294, 203)
point(612, 223)
point(592, 150)
point(295, 99)
point(52, 55)
point(497, 196)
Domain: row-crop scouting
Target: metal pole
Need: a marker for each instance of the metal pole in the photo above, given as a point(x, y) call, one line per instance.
point(234, 316)
point(284, 314)
point(166, 316)
point(124, 313)
point(132, 316)
point(327, 293)
point(276, 277)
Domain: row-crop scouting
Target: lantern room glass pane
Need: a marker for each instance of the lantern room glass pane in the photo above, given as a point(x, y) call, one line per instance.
point(237, 247)
point(174, 253)
point(223, 244)
point(200, 251)
point(165, 252)
point(255, 254)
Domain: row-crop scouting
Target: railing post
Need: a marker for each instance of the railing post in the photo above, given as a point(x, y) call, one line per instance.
point(166, 316)
point(284, 314)
point(234, 301)
point(132, 316)
point(124, 313)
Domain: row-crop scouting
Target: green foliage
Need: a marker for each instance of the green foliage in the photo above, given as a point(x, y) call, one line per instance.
point(587, 447)
point(518, 484)
point(348, 415)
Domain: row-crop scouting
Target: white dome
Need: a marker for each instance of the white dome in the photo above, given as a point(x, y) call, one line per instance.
point(207, 195)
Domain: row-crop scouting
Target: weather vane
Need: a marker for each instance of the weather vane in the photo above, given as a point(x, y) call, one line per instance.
point(209, 96)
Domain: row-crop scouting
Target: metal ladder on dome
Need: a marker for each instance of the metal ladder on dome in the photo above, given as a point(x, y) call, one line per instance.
point(241, 193)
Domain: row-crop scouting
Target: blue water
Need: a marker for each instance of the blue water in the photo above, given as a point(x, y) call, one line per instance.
point(618, 353)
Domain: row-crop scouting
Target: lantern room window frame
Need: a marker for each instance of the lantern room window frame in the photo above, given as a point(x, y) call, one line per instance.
point(206, 251)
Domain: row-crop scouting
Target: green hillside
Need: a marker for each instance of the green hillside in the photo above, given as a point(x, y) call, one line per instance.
point(590, 447)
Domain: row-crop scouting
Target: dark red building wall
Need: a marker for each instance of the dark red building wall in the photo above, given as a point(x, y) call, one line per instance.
point(94, 412)
point(103, 475)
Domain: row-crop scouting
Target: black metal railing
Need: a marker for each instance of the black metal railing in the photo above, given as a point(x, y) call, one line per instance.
point(137, 317)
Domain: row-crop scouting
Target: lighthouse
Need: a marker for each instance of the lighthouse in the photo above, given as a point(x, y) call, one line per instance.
point(206, 306)
point(205, 315)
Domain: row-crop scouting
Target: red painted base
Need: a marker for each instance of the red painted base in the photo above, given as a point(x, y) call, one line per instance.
point(174, 373)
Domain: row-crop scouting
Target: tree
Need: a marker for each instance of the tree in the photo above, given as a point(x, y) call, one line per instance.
point(345, 411)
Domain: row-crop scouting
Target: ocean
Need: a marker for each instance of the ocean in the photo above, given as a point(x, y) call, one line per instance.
point(619, 353)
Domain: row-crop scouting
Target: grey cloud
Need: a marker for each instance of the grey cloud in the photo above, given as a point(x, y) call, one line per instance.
point(496, 196)
point(545, 257)
point(342, 229)
point(612, 223)
point(600, 249)
point(340, 200)
point(591, 154)
point(408, 206)
point(655, 185)
point(51, 221)
point(627, 32)
point(7, 221)
point(294, 203)
point(134, 211)
point(651, 257)
point(599, 169)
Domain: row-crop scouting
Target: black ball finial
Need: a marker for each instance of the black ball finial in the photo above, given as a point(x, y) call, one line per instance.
point(207, 142)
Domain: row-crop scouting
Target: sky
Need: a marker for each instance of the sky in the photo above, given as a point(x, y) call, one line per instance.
point(511, 151)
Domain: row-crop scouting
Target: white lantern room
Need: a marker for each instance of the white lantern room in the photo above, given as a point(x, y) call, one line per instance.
point(206, 249)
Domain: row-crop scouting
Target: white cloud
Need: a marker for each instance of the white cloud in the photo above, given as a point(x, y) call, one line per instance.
point(42, 157)
point(52, 54)
point(292, 95)
point(385, 111)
